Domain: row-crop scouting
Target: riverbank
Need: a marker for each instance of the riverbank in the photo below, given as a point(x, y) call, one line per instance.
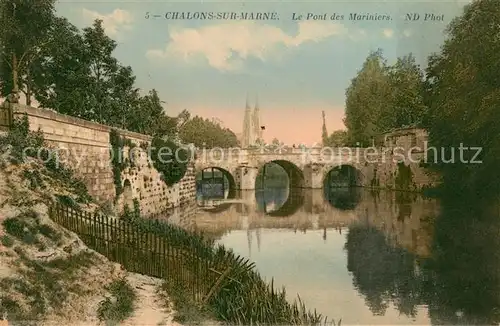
point(48, 276)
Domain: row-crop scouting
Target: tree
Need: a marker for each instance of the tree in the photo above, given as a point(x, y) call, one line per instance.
point(338, 138)
point(206, 133)
point(464, 101)
point(366, 99)
point(406, 105)
point(25, 32)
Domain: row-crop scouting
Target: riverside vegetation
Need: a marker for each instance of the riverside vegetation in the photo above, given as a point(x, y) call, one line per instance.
point(242, 297)
point(47, 274)
point(51, 270)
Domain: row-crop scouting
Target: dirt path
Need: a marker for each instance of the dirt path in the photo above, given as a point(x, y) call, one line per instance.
point(150, 309)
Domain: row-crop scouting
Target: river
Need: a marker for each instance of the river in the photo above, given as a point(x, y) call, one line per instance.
point(368, 258)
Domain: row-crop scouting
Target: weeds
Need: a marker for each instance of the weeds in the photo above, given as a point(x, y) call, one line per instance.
point(42, 284)
point(21, 144)
point(187, 310)
point(27, 228)
point(120, 306)
point(7, 241)
point(242, 297)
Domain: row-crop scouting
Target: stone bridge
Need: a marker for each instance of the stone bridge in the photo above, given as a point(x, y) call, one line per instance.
point(309, 167)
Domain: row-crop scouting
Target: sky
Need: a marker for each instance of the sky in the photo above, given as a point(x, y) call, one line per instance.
point(295, 68)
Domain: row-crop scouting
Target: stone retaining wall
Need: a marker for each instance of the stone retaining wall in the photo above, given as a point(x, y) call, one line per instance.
point(85, 147)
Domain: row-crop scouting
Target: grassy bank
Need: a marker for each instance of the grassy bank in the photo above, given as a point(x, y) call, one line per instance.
point(235, 292)
point(47, 275)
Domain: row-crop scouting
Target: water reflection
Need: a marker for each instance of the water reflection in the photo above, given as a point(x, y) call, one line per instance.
point(371, 258)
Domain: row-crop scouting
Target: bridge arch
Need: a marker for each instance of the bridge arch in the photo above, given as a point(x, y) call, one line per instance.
point(229, 184)
point(294, 173)
point(341, 186)
point(341, 176)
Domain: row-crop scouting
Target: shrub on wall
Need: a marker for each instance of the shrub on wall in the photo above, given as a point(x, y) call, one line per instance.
point(169, 159)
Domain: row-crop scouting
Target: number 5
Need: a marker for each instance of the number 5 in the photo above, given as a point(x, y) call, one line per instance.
point(147, 15)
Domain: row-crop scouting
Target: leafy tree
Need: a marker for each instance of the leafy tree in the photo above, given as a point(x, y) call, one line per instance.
point(24, 33)
point(366, 98)
point(206, 133)
point(383, 97)
point(337, 138)
point(59, 72)
point(464, 100)
point(406, 105)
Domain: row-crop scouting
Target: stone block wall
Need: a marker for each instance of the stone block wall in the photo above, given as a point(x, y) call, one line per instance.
point(84, 146)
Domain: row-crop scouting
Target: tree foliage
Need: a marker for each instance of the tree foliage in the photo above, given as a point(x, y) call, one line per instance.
point(25, 32)
point(464, 99)
point(457, 100)
point(75, 72)
point(383, 97)
point(338, 138)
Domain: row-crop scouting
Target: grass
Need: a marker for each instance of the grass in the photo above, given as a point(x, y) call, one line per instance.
point(44, 285)
point(203, 278)
point(187, 310)
point(120, 306)
point(27, 228)
point(242, 297)
point(7, 241)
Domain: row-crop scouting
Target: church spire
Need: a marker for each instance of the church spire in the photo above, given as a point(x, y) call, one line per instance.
point(256, 120)
point(248, 130)
point(247, 105)
point(324, 133)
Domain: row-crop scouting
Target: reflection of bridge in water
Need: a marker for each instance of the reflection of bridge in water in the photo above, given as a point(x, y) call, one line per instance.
point(400, 216)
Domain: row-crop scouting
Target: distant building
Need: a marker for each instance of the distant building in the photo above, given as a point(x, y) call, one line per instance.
point(252, 128)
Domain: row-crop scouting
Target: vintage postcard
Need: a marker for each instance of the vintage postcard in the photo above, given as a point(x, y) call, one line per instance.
point(249, 162)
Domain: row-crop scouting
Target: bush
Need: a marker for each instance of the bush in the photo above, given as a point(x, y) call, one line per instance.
point(169, 159)
point(7, 241)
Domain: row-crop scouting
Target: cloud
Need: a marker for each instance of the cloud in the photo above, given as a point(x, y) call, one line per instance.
point(225, 46)
point(357, 35)
point(113, 22)
point(388, 32)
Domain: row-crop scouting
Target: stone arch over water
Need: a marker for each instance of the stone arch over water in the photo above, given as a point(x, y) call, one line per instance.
point(294, 173)
point(341, 176)
point(341, 187)
point(228, 179)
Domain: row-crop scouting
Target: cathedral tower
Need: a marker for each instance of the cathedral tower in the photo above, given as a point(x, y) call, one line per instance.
point(248, 130)
point(256, 121)
point(252, 130)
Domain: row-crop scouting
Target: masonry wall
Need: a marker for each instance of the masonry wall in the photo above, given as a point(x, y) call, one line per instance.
point(85, 147)
point(403, 167)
